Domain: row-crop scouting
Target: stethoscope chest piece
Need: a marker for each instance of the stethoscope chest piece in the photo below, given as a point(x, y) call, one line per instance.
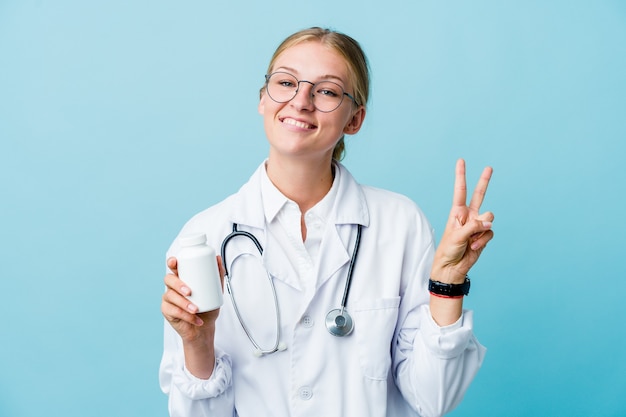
point(339, 322)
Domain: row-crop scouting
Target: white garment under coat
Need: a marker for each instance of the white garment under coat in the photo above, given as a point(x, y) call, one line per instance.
point(396, 362)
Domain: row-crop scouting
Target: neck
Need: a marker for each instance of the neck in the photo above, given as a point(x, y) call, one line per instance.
point(304, 182)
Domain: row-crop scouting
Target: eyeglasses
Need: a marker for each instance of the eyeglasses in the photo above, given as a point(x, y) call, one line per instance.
point(326, 95)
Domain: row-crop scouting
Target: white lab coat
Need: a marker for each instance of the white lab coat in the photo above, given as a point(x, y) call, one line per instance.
point(396, 362)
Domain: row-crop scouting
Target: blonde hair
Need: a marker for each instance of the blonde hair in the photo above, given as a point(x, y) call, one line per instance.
point(349, 49)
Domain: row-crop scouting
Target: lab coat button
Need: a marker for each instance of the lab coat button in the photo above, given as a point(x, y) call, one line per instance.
point(307, 321)
point(305, 392)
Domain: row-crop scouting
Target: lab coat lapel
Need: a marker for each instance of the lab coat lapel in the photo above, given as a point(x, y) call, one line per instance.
point(349, 209)
point(333, 253)
point(247, 212)
point(278, 265)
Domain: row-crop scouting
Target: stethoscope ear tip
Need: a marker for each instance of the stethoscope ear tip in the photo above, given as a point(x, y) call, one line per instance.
point(282, 346)
point(257, 353)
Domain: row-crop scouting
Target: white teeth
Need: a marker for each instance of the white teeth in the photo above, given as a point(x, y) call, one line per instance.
point(297, 123)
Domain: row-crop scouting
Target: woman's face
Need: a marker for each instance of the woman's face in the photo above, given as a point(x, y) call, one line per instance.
point(296, 128)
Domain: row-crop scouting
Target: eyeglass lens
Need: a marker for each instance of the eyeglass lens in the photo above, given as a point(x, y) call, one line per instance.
point(282, 87)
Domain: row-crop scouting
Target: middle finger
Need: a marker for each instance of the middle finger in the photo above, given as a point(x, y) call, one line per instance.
point(481, 189)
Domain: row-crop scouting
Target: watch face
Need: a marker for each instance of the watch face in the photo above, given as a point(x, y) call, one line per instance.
point(466, 286)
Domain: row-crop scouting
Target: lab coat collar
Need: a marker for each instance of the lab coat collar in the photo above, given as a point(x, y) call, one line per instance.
point(247, 209)
point(349, 207)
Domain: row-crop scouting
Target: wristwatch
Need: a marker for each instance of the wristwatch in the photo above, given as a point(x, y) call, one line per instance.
point(442, 289)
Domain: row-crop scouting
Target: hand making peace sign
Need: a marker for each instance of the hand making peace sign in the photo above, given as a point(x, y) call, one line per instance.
point(467, 231)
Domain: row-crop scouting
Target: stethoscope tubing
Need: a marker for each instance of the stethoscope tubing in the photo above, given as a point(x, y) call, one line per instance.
point(259, 351)
point(346, 289)
point(338, 321)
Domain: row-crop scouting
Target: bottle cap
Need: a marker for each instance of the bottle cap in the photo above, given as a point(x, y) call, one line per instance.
point(192, 240)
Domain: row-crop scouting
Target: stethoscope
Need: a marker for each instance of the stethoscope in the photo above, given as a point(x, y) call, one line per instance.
point(338, 321)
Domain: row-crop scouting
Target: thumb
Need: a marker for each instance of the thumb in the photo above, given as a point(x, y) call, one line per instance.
point(220, 267)
point(477, 226)
point(172, 264)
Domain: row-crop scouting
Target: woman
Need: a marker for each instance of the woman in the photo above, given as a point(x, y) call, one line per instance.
point(390, 348)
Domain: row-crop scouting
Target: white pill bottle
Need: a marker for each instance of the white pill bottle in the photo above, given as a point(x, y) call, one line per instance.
point(197, 267)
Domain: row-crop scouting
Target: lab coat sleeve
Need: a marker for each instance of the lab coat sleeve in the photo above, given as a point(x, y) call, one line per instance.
point(435, 365)
point(191, 396)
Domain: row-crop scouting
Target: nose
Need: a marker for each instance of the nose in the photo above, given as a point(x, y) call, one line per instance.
point(303, 100)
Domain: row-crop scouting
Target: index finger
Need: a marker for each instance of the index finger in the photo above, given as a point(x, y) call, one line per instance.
point(481, 189)
point(460, 187)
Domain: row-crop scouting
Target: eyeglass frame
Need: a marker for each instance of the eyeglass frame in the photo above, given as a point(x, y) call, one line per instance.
point(268, 76)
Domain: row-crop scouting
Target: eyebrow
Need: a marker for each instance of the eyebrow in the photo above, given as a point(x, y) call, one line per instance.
point(323, 77)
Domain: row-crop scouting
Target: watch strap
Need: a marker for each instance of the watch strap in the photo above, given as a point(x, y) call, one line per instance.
point(442, 289)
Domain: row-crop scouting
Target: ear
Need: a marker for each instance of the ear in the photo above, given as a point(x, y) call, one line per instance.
point(355, 123)
point(261, 107)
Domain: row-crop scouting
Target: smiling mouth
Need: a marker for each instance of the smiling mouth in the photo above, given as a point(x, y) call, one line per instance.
point(297, 123)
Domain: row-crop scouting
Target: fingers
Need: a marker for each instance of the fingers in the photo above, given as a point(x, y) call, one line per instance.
point(479, 241)
point(481, 189)
point(486, 217)
point(175, 305)
point(174, 313)
point(177, 291)
point(459, 198)
point(172, 264)
point(221, 269)
point(478, 231)
point(460, 187)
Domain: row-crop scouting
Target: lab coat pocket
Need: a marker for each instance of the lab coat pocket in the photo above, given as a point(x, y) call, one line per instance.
point(374, 325)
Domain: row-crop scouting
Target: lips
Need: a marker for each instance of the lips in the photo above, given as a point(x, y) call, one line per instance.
point(297, 123)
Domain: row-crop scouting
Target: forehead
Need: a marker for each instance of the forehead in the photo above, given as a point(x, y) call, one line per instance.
point(312, 60)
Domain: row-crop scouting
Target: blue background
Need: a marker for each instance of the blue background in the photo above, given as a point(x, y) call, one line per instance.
point(119, 120)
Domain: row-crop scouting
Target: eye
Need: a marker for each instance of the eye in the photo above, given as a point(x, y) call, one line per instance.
point(327, 92)
point(283, 81)
point(328, 89)
point(286, 83)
